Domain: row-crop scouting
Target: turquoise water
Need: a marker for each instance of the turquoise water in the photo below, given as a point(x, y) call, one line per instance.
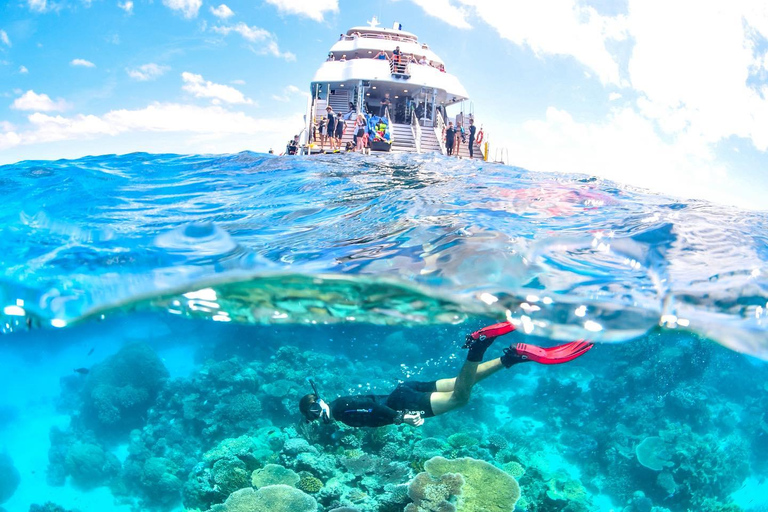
point(196, 294)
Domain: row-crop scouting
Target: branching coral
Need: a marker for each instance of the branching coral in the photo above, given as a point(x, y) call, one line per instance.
point(433, 494)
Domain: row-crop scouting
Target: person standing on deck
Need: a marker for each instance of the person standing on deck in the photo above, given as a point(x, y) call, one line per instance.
point(472, 130)
point(450, 138)
point(331, 126)
point(459, 134)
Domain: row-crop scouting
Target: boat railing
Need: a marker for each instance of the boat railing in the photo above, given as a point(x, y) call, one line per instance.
point(400, 68)
point(439, 128)
point(385, 37)
point(416, 130)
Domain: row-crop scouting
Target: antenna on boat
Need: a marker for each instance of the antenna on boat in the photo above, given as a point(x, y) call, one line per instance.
point(373, 22)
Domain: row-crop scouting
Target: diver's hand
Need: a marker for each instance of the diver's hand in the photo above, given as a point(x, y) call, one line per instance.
point(413, 418)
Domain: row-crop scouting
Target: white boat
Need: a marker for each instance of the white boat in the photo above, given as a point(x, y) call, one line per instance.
point(368, 66)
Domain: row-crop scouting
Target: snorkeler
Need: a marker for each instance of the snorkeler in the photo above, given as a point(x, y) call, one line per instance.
point(413, 401)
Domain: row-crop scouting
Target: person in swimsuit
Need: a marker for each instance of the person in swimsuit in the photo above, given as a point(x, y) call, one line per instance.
point(413, 401)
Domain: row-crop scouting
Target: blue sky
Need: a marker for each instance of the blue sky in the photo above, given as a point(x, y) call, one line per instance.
point(672, 96)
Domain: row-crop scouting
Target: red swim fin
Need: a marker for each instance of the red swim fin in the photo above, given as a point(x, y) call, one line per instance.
point(551, 355)
point(492, 331)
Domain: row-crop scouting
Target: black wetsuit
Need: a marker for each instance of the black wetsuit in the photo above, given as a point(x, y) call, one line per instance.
point(380, 410)
point(472, 129)
point(450, 139)
point(331, 125)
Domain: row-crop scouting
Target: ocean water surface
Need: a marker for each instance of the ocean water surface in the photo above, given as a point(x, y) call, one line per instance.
point(162, 314)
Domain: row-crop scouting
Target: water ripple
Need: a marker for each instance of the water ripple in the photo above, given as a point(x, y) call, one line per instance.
point(382, 239)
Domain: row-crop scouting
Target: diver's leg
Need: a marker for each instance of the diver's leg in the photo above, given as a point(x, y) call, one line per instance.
point(484, 370)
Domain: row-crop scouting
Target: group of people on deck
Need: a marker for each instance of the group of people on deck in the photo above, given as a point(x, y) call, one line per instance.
point(398, 59)
point(331, 128)
point(455, 136)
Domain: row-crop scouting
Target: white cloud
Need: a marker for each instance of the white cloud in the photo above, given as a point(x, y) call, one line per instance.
point(453, 15)
point(4, 38)
point(147, 72)
point(83, 63)
point(238, 82)
point(314, 10)
point(695, 81)
point(288, 93)
point(624, 147)
point(256, 35)
point(188, 8)
point(200, 88)
point(222, 11)
point(30, 100)
point(202, 129)
point(23, 70)
point(127, 6)
point(558, 27)
point(38, 5)
point(614, 96)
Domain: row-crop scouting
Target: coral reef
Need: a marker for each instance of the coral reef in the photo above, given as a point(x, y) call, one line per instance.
point(119, 391)
point(9, 478)
point(49, 507)
point(486, 488)
point(272, 498)
point(225, 438)
point(273, 474)
point(433, 494)
point(90, 466)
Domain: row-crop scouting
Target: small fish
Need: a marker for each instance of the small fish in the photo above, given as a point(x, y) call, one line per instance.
point(82, 371)
point(90, 351)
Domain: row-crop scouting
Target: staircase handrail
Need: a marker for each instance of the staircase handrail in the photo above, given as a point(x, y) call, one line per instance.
point(416, 130)
point(439, 126)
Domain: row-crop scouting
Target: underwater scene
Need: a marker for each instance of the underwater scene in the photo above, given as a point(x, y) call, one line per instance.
point(164, 315)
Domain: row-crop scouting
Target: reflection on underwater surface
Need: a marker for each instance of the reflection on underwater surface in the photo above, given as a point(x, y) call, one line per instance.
point(200, 293)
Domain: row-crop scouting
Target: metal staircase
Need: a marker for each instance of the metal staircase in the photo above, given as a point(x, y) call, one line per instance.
point(429, 142)
point(402, 141)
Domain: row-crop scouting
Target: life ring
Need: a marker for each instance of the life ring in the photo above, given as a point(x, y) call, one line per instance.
point(479, 137)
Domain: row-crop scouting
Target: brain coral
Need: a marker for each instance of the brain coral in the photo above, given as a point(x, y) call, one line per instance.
point(272, 498)
point(486, 487)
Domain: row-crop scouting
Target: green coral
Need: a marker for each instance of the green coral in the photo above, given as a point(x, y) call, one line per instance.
point(273, 474)
point(309, 483)
point(272, 498)
point(462, 440)
point(486, 487)
point(567, 490)
point(231, 475)
point(514, 468)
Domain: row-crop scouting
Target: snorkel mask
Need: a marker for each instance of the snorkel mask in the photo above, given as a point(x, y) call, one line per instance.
point(319, 409)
